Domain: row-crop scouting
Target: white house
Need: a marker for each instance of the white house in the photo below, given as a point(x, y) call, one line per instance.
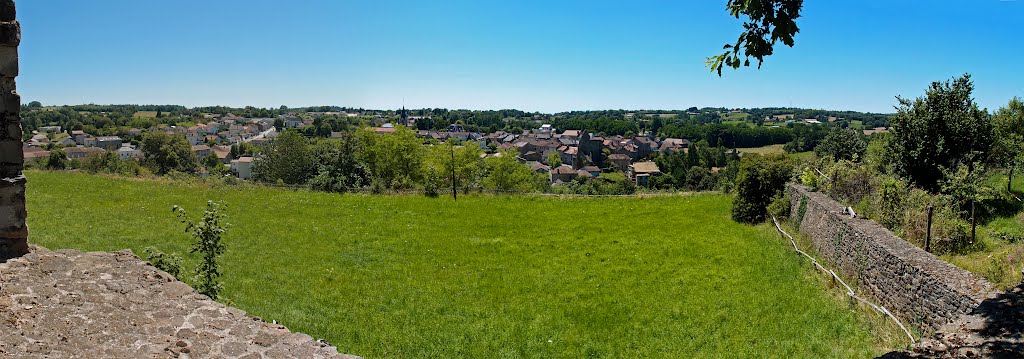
point(242, 167)
point(127, 151)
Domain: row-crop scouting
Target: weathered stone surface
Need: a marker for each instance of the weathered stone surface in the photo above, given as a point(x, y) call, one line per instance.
point(7, 10)
point(63, 304)
point(8, 61)
point(9, 100)
point(908, 281)
point(10, 33)
point(11, 151)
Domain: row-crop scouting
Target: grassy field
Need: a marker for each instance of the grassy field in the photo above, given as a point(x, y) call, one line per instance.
point(999, 260)
point(736, 116)
point(766, 150)
point(410, 276)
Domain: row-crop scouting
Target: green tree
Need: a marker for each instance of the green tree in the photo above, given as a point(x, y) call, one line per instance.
point(441, 162)
point(506, 174)
point(35, 104)
point(288, 158)
point(58, 160)
point(768, 21)
point(656, 125)
point(1009, 131)
point(393, 160)
point(338, 169)
point(842, 144)
point(554, 160)
point(939, 131)
point(165, 153)
point(207, 240)
point(760, 179)
point(279, 124)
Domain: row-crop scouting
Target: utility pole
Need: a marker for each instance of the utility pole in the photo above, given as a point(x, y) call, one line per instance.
point(455, 191)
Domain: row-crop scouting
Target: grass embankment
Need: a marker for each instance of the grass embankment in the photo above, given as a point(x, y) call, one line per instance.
point(1000, 253)
point(523, 276)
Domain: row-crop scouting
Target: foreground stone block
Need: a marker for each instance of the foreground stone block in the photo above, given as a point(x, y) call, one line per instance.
point(62, 304)
point(13, 232)
point(7, 10)
point(10, 33)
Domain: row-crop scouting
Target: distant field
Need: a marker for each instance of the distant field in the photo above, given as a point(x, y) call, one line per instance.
point(735, 116)
point(524, 276)
point(766, 150)
point(145, 114)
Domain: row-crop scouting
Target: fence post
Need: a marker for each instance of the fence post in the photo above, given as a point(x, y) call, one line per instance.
point(455, 191)
point(928, 237)
point(974, 222)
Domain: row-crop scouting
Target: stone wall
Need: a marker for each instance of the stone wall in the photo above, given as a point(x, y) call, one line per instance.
point(13, 231)
point(64, 304)
point(912, 283)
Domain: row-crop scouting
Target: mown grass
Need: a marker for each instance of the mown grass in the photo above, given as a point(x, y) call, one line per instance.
point(487, 276)
point(770, 149)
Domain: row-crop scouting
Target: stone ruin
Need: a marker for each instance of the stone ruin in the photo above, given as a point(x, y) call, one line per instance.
point(60, 304)
point(13, 230)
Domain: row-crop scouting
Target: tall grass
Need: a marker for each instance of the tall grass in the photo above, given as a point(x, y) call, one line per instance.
point(486, 276)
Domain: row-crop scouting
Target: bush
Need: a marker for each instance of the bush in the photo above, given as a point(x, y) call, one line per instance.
point(810, 179)
point(780, 206)
point(849, 182)
point(760, 179)
point(170, 263)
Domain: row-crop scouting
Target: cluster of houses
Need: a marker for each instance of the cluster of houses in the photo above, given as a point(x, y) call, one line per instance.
point(213, 137)
point(579, 152)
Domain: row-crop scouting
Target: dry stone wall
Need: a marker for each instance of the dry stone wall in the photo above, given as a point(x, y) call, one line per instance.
point(915, 284)
point(13, 231)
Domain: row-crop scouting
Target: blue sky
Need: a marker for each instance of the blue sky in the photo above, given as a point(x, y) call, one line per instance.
point(535, 55)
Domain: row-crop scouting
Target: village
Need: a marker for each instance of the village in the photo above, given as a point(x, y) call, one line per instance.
point(561, 155)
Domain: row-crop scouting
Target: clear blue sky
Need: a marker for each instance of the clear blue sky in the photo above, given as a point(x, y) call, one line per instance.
point(535, 55)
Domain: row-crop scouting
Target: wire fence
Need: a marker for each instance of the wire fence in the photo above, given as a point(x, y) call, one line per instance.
point(849, 291)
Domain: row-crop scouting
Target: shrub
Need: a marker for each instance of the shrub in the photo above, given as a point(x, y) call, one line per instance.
point(810, 179)
point(167, 262)
point(850, 182)
point(995, 271)
point(760, 179)
point(206, 236)
point(780, 205)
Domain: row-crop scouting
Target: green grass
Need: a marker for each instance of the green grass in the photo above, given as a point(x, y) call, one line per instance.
point(770, 149)
point(487, 276)
point(997, 259)
point(614, 176)
point(736, 116)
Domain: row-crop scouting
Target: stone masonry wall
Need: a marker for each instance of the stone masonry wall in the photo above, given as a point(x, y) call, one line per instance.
point(908, 281)
point(69, 304)
point(13, 231)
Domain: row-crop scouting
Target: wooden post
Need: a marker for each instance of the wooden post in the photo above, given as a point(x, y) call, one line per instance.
point(455, 191)
point(928, 236)
point(1009, 181)
point(974, 222)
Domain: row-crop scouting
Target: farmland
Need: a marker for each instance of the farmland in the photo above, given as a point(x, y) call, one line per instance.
point(486, 276)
